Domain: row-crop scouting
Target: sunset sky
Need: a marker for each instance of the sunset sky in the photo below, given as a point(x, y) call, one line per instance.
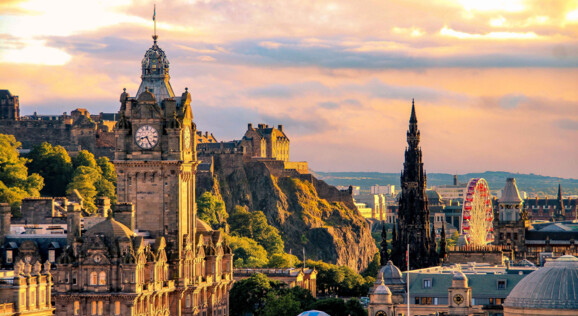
point(495, 82)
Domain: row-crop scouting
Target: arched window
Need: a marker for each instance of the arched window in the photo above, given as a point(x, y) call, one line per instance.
point(76, 308)
point(93, 308)
point(102, 278)
point(93, 279)
point(100, 308)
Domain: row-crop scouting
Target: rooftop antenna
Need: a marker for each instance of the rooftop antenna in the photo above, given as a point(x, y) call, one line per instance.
point(155, 22)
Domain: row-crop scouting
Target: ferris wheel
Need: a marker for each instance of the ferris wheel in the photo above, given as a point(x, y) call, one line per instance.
point(477, 213)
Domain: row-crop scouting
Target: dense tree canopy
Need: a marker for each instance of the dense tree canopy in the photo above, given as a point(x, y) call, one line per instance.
point(54, 165)
point(340, 280)
point(92, 179)
point(15, 182)
point(254, 225)
point(248, 253)
point(249, 295)
point(261, 296)
point(211, 209)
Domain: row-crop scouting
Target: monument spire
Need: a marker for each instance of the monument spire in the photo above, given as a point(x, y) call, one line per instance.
point(413, 220)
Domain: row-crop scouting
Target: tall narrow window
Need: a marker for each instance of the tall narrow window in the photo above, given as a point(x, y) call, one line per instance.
point(93, 308)
point(100, 308)
point(9, 258)
point(117, 308)
point(76, 308)
point(51, 255)
point(102, 278)
point(93, 278)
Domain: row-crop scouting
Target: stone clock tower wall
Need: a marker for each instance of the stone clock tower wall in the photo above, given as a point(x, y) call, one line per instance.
point(155, 156)
point(159, 180)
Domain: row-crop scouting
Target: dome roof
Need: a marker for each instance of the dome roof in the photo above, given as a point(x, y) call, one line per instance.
point(314, 313)
point(202, 226)
point(390, 274)
point(382, 289)
point(110, 228)
point(147, 96)
point(155, 74)
point(552, 287)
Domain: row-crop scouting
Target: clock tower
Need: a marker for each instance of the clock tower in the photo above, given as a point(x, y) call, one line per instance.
point(155, 156)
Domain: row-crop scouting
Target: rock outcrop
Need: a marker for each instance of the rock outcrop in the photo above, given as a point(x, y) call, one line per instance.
point(308, 212)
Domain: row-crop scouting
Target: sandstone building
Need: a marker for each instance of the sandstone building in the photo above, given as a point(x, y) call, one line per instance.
point(74, 132)
point(9, 106)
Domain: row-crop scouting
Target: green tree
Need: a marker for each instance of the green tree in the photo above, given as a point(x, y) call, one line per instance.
point(107, 169)
point(332, 306)
point(280, 304)
point(15, 183)
point(254, 225)
point(92, 179)
point(452, 241)
point(373, 267)
point(339, 280)
point(83, 180)
point(247, 253)
point(249, 295)
point(84, 158)
point(283, 260)
point(54, 165)
point(212, 210)
point(354, 308)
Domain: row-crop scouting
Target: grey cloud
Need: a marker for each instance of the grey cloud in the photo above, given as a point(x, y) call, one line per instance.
point(328, 105)
point(568, 124)
point(512, 101)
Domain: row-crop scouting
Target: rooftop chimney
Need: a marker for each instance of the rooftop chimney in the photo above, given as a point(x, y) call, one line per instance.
point(73, 222)
point(5, 215)
point(124, 214)
point(455, 179)
point(280, 127)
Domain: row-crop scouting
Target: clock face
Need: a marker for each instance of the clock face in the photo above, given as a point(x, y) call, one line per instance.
point(97, 258)
point(146, 137)
point(458, 299)
point(380, 313)
point(187, 137)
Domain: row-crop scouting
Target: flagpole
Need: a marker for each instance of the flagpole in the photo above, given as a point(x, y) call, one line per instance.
point(408, 297)
point(155, 19)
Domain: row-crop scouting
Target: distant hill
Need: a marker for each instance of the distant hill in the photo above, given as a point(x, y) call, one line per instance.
point(531, 183)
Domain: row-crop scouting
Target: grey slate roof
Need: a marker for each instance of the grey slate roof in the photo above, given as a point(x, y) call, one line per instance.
point(510, 193)
point(555, 286)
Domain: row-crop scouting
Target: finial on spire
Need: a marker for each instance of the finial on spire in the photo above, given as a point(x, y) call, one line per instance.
point(413, 118)
point(123, 89)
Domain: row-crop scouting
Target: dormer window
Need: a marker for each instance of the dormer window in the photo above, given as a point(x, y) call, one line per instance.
point(51, 255)
point(502, 284)
point(427, 283)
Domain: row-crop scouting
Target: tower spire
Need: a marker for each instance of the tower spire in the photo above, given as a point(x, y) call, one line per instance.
point(413, 118)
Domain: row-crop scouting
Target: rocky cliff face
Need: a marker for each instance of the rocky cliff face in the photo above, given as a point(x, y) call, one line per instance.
point(308, 212)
